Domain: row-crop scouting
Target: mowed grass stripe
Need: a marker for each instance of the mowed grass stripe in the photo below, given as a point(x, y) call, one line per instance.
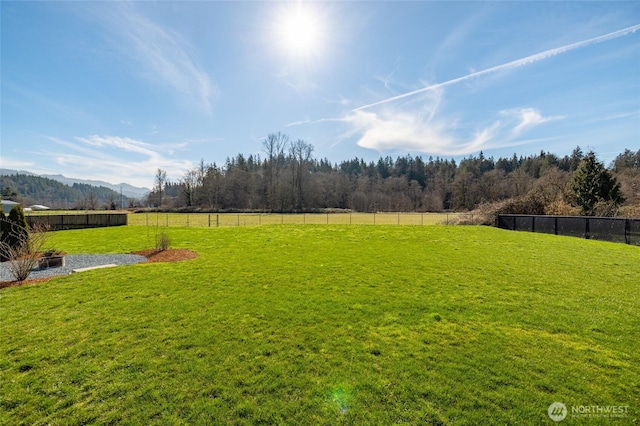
point(326, 325)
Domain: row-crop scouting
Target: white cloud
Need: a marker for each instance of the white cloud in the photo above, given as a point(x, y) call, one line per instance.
point(410, 132)
point(166, 57)
point(115, 159)
point(125, 144)
point(399, 131)
point(10, 163)
point(526, 118)
point(426, 129)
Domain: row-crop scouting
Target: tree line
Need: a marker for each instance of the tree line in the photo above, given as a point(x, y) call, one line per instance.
point(29, 189)
point(289, 179)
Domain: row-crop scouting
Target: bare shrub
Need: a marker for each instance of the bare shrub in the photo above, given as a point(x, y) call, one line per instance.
point(475, 217)
point(561, 208)
point(630, 211)
point(25, 252)
point(606, 208)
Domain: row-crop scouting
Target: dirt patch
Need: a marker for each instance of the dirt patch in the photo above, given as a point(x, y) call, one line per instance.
point(152, 255)
point(5, 284)
point(169, 255)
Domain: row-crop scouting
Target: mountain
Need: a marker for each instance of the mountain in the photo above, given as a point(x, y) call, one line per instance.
point(128, 191)
point(33, 189)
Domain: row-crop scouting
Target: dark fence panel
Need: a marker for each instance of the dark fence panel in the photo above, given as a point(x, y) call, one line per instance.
point(524, 223)
point(597, 228)
point(57, 222)
point(545, 224)
point(608, 230)
point(572, 226)
point(633, 232)
point(507, 222)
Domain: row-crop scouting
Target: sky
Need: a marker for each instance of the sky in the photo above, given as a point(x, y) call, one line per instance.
point(114, 91)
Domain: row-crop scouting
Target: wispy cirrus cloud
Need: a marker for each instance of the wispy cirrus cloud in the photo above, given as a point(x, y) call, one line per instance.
point(510, 65)
point(116, 159)
point(417, 124)
point(165, 56)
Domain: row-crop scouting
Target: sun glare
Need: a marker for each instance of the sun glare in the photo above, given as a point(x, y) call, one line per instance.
point(299, 30)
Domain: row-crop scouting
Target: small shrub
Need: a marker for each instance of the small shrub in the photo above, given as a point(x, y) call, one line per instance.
point(163, 241)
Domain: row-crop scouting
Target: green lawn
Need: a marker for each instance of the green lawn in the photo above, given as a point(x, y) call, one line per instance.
point(215, 220)
point(321, 324)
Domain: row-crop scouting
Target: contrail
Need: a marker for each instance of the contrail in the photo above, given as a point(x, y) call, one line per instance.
point(513, 64)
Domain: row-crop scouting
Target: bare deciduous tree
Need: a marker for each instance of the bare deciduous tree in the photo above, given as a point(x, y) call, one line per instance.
point(160, 182)
point(274, 148)
point(300, 152)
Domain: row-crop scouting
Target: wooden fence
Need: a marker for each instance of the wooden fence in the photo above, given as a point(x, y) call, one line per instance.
point(57, 222)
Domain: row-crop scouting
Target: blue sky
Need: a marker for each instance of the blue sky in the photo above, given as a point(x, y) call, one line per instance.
point(114, 91)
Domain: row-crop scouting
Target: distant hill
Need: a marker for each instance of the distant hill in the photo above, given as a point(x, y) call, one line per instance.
point(128, 191)
point(33, 189)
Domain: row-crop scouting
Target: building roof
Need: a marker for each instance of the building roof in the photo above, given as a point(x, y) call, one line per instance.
point(7, 205)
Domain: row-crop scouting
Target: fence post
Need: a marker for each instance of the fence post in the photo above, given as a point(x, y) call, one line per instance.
point(349, 218)
point(627, 230)
point(374, 218)
point(217, 220)
point(586, 228)
point(187, 220)
point(167, 219)
point(238, 221)
point(398, 218)
point(209, 220)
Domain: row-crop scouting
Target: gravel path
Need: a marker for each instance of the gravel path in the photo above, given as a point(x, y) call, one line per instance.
point(76, 261)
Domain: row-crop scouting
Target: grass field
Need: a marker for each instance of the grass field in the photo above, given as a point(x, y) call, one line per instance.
point(327, 325)
point(214, 220)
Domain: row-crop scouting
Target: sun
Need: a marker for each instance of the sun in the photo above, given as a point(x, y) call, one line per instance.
point(299, 30)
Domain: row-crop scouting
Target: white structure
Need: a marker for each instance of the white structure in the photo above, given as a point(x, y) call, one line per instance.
point(37, 207)
point(7, 205)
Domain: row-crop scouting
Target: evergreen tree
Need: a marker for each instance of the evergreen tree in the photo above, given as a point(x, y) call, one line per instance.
point(17, 229)
point(4, 226)
point(593, 184)
point(15, 232)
